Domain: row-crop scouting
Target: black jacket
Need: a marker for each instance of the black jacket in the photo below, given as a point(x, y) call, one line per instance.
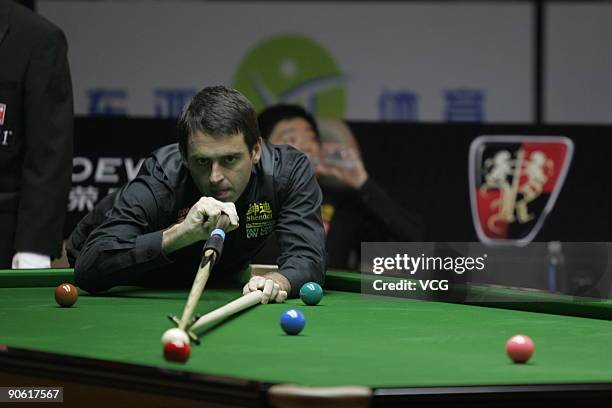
point(367, 215)
point(119, 242)
point(36, 131)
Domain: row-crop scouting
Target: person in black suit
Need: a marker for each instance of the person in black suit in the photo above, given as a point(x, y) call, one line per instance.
point(36, 137)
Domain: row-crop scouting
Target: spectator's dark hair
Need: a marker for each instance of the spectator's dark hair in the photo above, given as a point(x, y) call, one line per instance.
point(218, 111)
point(277, 113)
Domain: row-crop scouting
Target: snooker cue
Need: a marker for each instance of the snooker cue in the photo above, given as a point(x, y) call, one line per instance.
point(208, 260)
point(243, 302)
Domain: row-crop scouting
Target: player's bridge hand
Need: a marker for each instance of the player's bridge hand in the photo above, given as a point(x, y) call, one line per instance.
point(271, 290)
point(203, 216)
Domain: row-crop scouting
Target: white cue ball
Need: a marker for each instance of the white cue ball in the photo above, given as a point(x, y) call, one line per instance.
point(174, 334)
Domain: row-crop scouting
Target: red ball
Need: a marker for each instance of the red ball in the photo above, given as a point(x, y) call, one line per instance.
point(177, 351)
point(66, 295)
point(520, 348)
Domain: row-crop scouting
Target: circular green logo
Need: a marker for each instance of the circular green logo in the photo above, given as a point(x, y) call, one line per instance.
point(292, 69)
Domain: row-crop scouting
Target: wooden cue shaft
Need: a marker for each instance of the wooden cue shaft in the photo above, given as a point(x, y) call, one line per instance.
point(243, 302)
point(201, 277)
point(196, 291)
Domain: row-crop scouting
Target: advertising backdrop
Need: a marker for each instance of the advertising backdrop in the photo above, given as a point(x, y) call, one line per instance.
point(408, 61)
point(579, 63)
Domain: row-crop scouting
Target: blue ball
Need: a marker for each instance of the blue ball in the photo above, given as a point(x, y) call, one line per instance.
point(292, 321)
point(311, 293)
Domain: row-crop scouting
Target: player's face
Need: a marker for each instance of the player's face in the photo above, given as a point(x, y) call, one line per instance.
point(220, 166)
point(298, 133)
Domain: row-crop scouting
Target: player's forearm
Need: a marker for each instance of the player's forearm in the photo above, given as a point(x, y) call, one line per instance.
point(107, 260)
point(175, 238)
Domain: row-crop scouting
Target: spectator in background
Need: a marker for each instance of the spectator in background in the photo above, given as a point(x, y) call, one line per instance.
point(36, 136)
point(355, 208)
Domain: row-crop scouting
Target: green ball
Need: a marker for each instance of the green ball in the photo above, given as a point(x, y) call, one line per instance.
point(311, 293)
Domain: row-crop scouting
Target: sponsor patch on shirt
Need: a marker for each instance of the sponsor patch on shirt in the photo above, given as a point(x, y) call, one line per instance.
point(259, 220)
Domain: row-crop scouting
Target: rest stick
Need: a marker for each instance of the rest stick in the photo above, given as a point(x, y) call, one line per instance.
point(243, 302)
point(212, 249)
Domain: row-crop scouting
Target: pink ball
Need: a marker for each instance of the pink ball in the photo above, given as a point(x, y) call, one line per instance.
point(520, 348)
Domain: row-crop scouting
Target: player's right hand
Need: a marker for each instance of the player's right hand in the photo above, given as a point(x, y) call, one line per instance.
point(203, 216)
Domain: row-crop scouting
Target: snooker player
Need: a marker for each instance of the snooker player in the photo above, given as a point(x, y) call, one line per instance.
point(150, 232)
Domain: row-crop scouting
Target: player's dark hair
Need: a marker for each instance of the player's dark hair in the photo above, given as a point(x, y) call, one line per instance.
point(218, 111)
point(270, 117)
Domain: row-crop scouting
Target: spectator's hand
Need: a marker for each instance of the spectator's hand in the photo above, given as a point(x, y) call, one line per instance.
point(203, 216)
point(271, 289)
point(30, 260)
point(342, 163)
